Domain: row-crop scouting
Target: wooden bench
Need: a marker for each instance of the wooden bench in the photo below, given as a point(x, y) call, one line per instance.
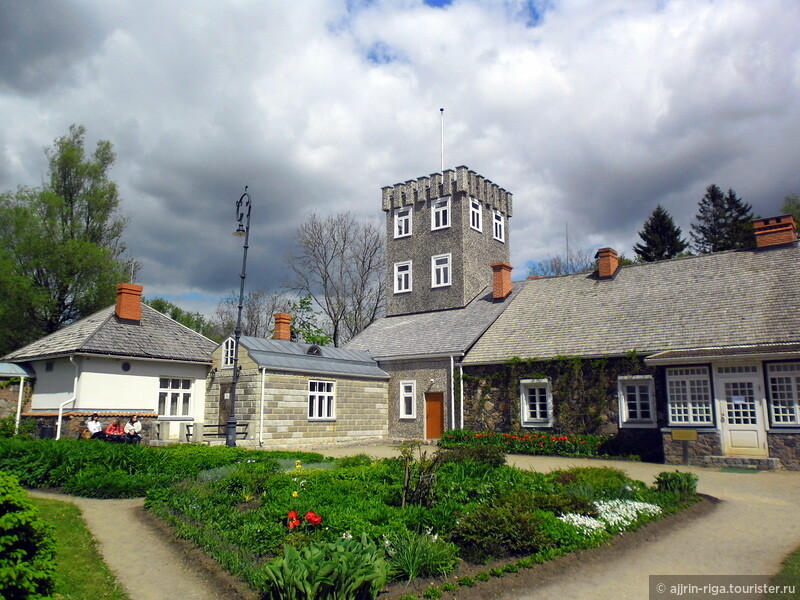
point(211, 431)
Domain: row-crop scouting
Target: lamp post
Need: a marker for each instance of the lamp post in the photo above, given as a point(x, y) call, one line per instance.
point(243, 230)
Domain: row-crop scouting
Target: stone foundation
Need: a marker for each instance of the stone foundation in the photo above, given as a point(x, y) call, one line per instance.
point(707, 444)
point(739, 462)
point(786, 447)
point(72, 423)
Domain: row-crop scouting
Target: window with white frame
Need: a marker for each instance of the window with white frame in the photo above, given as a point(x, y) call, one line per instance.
point(689, 396)
point(636, 401)
point(227, 352)
point(476, 214)
point(784, 393)
point(440, 270)
point(402, 222)
point(440, 213)
point(499, 227)
point(321, 397)
point(402, 277)
point(408, 399)
point(536, 402)
point(174, 397)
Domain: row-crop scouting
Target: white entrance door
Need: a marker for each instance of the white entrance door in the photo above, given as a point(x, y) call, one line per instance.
point(742, 414)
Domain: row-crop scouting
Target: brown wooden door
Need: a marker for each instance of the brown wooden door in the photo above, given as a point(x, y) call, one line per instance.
point(434, 415)
point(224, 404)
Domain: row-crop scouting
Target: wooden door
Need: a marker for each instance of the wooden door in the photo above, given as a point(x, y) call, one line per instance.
point(224, 404)
point(743, 430)
point(434, 415)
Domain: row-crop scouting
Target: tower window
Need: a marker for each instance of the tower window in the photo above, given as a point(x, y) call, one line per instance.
point(440, 213)
point(440, 270)
point(499, 227)
point(402, 222)
point(476, 215)
point(402, 277)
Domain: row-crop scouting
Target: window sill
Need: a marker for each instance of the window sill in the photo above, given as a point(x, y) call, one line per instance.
point(789, 429)
point(408, 418)
point(440, 228)
point(444, 285)
point(536, 425)
point(651, 425)
point(705, 428)
point(405, 235)
point(403, 292)
point(322, 420)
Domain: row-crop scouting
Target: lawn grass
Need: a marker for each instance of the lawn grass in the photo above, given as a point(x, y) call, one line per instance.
point(788, 575)
point(81, 573)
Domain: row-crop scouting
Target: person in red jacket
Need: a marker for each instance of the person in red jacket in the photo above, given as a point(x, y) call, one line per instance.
point(115, 432)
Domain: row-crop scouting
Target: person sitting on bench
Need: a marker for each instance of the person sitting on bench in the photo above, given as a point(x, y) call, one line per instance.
point(95, 427)
point(115, 432)
point(132, 429)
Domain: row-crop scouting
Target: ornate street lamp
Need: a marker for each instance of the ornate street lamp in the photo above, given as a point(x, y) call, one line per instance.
point(243, 230)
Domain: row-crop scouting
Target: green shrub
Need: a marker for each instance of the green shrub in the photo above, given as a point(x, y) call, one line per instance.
point(490, 532)
point(357, 460)
point(482, 576)
point(27, 550)
point(340, 570)
point(599, 483)
point(413, 555)
point(492, 456)
point(466, 582)
point(558, 504)
point(677, 482)
point(449, 587)
point(527, 443)
point(27, 427)
point(433, 592)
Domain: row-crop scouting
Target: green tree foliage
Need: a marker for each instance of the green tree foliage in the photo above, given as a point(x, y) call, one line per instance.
point(61, 248)
point(27, 550)
point(723, 222)
point(791, 206)
point(305, 325)
point(661, 239)
point(192, 320)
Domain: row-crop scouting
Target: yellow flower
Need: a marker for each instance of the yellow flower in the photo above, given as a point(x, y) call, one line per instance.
point(298, 464)
point(295, 494)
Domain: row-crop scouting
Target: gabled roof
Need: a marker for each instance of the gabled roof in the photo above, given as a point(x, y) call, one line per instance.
point(283, 355)
point(437, 333)
point(156, 336)
point(726, 299)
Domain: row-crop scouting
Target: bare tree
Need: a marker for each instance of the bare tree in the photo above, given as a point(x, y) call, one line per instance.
point(340, 263)
point(258, 308)
point(580, 261)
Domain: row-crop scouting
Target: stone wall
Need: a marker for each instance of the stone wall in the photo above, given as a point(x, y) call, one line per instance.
point(786, 447)
point(73, 423)
point(707, 444)
point(9, 394)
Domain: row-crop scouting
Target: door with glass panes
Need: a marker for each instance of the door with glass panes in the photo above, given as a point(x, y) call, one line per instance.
point(740, 390)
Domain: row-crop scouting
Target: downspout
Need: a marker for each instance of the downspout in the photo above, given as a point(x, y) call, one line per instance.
point(19, 403)
point(261, 409)
point(72, 399)
point(461, 386)
point(452, 394)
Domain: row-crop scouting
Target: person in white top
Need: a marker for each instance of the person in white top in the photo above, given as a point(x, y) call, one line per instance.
point(95, 427)
point(132, 429)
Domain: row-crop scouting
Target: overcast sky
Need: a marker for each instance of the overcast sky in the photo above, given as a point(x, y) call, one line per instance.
point(590, 112)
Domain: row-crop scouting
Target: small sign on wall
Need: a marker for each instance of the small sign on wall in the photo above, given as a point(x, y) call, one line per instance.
point(684, 435)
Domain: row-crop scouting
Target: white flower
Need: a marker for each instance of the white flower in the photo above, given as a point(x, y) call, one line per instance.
point(614, 514)
point(587, 525)
point(347, 535)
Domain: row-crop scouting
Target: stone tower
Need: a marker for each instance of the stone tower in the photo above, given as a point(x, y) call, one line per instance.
point(443, 232)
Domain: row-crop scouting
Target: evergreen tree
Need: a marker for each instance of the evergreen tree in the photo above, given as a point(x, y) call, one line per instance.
point(724, 222)
point(661, 239)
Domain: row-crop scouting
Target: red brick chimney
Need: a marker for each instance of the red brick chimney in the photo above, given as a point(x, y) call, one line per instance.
point(283, 327)
point(775, 231)
point(129, 302)
point(607, 262)
point(502, 280)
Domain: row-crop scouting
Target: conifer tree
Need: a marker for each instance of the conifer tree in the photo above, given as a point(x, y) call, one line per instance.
point(661, 239)
point(724, 222)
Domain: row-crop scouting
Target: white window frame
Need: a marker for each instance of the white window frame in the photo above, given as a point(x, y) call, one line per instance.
point(167, 387)
point(321, 402)
point(440, 213)
point(638, 381)
point(408, 390)
point(498, 226)
point(695, 407)
point(443, 271)
point(398, 289)
point(227, 353)
point(789, 413)
point(476, 214)
point(402, 222)
point(538, 421)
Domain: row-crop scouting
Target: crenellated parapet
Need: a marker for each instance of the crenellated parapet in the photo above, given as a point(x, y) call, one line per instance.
point(437, 185)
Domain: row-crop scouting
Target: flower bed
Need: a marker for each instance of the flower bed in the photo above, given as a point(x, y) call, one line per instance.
point(528, 443)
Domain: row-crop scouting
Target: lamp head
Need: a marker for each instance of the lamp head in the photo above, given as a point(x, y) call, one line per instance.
point(240, 232)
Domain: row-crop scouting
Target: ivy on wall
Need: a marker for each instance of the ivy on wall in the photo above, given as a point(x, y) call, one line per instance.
point(584, 391)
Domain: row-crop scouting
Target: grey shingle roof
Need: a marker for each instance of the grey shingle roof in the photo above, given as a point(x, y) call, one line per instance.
point(283, 355)
point(432, 333)
point(715, 300)
point(155, 336)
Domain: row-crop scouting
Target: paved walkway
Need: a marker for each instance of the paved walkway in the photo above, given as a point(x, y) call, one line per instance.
point(748, 534)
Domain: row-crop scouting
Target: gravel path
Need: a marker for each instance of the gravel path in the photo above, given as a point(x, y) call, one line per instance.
point(749, 533)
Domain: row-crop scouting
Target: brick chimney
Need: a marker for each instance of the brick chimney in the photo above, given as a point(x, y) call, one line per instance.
point(129, 302)
point(607, 262)
point(502, 280)
point(283, 327)
point(775, 231)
